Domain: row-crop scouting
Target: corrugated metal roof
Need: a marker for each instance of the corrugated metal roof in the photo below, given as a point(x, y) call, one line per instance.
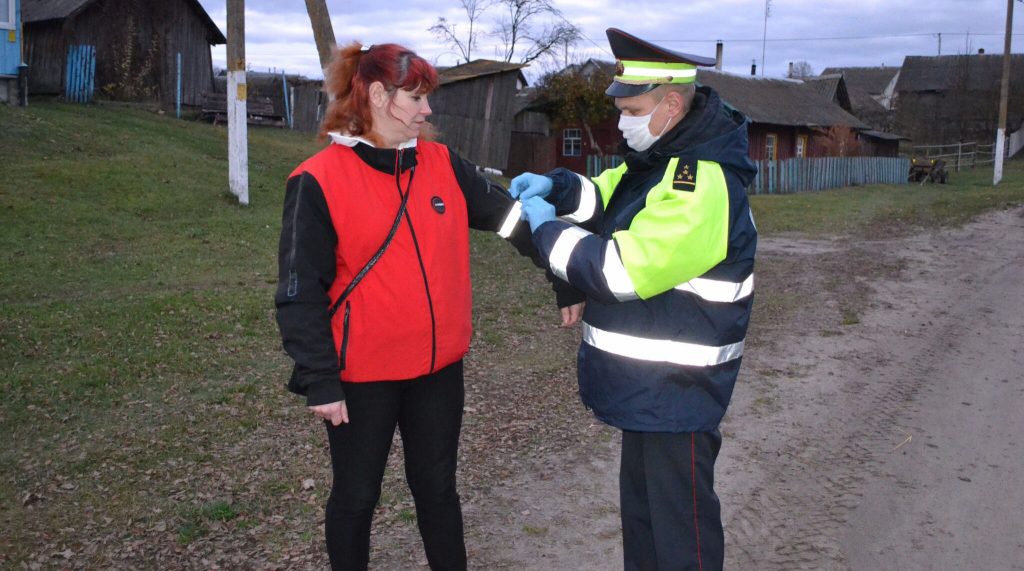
point(939, 73)
point(871, 80)
point(478, 68)
point(826, 85)
point(43, 10)
point(40, 10)
point(778, 101)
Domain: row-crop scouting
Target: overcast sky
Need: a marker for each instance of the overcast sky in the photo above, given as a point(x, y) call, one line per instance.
point(825, 33)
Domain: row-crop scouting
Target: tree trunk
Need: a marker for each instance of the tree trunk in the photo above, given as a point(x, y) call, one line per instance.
point(323, 31)
point(593, 143)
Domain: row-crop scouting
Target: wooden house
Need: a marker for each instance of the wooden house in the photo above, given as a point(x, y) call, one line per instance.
point(473, 109)
point(876, 83)
point(791, 118)
point(540, 145)
point(950, 99)
point(136, 42)
point(10, 49)
point(871, 92)
point(879, 141)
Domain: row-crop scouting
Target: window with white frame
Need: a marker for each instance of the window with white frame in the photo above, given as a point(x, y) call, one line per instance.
point(572, 143)
point(801, 146)
point(7, 14)
point(770, 147)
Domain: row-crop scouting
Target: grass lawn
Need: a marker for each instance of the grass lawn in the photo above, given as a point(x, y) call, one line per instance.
point(880, 211)
point(142, 406)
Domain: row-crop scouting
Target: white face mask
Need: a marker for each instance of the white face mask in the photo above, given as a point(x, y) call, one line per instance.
point(636, 129)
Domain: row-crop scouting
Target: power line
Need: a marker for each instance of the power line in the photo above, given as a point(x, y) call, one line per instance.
point(582, 35)
point(831, 38)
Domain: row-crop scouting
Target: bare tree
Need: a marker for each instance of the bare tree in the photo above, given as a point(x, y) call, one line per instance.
point(800, 70)
point(517, 30)
point(447, 31)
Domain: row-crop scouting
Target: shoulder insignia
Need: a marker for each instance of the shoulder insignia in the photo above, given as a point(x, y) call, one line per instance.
point(685, 177)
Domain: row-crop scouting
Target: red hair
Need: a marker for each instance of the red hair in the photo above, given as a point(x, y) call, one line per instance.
point(351, 72)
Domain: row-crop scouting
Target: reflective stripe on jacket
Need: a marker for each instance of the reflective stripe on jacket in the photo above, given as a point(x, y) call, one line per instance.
point(665, 257)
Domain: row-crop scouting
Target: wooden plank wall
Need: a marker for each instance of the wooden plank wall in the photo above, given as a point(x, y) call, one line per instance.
point(480, 135)
point(307, 113)
point(530, 152)
point(45, 53)
point(184, 31)
point(175, 26)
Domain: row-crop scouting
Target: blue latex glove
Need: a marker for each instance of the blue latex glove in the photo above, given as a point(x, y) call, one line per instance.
point(528, 185)
point(536, 211)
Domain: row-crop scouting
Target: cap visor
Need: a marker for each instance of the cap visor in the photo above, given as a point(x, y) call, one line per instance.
point(617, 89)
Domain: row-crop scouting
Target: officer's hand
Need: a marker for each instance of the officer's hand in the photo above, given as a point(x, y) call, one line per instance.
point(571, 315)
point(528, 184)
point(537, 212)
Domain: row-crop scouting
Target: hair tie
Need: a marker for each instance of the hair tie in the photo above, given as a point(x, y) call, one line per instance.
point(365, 49)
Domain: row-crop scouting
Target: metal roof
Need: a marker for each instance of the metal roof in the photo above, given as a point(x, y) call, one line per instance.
point(43, 10)
point(478, 68)
point(778, 101)
point(871, 80)
point(939, 73)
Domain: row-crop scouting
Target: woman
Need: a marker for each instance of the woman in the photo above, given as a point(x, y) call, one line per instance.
point(374, 292)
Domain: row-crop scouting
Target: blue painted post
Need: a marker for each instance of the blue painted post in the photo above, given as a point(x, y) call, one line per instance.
point(178, 96)
point(91, 78)
point(287, 105)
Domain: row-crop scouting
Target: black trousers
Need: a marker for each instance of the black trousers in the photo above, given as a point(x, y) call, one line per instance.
point(428, 412)
point(671, 518)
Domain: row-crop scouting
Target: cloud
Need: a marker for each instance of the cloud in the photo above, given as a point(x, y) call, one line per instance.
point(824, 33)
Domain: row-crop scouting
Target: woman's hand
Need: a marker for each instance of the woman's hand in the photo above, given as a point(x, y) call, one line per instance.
point(335, 412)
point(571, 315)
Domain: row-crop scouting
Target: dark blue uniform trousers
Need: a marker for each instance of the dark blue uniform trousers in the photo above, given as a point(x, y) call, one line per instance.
point(670, 513)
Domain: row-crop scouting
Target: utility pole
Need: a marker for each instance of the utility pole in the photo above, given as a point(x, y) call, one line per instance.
point(238, 149)
point(1004, 96)
point(764, 37)
point(323, 31)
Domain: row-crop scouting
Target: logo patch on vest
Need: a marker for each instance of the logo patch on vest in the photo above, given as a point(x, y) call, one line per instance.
point(438, 204)
point(686, 176)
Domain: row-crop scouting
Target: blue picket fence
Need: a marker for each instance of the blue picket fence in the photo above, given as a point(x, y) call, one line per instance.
point(809, 174)
point(80, 79)
point(597, 164)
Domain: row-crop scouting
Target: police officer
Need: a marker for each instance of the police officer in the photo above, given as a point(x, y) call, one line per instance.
point(663, 247)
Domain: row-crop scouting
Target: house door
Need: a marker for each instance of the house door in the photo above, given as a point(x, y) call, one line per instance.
point(80, 79)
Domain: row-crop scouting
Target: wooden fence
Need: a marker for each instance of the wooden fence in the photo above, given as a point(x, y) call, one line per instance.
point(958, 155)
point(808, 174)
point(597, 164)
point(972, 154)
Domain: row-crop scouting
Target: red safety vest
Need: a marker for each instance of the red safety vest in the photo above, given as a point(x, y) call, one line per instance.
point(411, 314)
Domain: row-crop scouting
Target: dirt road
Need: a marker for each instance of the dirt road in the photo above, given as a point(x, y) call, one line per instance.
point(878, 428)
